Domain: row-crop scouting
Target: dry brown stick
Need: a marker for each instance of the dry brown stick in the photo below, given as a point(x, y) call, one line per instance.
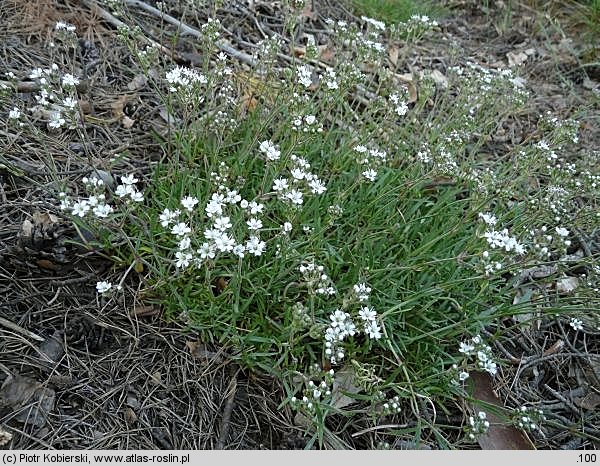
point(188, 30)
point(18, 329)
point(106, 16)
point(225, 422)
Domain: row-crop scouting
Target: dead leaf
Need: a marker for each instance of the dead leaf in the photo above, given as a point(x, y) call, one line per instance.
point(567, 284)
point(439, 78)
point(138, 82)
point(127, 122)
point(219, 285)
point(499, 435)
point(119, 104)
point(199, 351)
point(516, 58)
point(555, 348)
point(26, 228)
point(44, 219)
point(326, 53)
point(52, 349)
point(29, 398)
point(130, 416)
point(343, 384)
point(146, 310)
point(46, 264)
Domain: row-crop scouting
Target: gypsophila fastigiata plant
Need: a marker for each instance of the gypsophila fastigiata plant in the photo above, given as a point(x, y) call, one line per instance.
point(327, 211)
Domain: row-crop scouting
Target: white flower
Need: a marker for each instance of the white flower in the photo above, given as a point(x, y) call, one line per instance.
point(286, 227)
point(576, 324)
point(56, 120)
point(362, 291)
point(466, 348)
point(367, 313)
point(183, 259)
point(14, 114)
point(316, 186)
point(224, 242)
point(255, 246)
point(280, 184)
point(373, 330)
point(80, 208)
point(206, 251)
point(103, 287)
point(297, 173)
point(60, 25)
point(167, 217)
point(254, 224)
point(238, 250)
point(185, 243)
point(189, 203)
point(102, 210)
point(233, 197)
point(214, 207)
point(255, 208)
point(222, 223)
point(69, 80)
point(294, 196)
point(180, 229)
point(462, 376)
point(489, 219)
point(305, 75)
point(129, 180)
point(70, 102)
point(137, 196)
point(370, 174)
point(562, 232)
point(270, 150)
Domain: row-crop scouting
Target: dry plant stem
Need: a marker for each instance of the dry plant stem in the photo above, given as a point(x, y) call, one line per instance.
point(188, 30)
point(106, 16)
point(383, 426)
point(18, 329)
point(225, 423)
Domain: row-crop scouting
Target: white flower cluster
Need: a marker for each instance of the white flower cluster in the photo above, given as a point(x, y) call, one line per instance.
point(392, 406)
point(184, 80)
point(57, 99)
point(478, 425)
point(399, 104)
point(128, 190)
point(304, 75)
point(316, 279)
point(95, 204)
point(476, 347)
point(502, 240)
point(461, 375)
point(223, 209)
point(211, 30)
point(300, 182)
point(342, 325)
point(314, 393)
point(62, 26)
point(371, 160)
point(528, 419)
point(307, 124)
point(545, 242)
point(368, 44)
point(270, 150)
point(106, 288)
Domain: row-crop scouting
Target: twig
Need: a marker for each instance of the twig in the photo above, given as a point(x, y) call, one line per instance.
point(106, 16)
point(188, 30)
point(383, 426)
point(225, 422)
point(18, 329)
